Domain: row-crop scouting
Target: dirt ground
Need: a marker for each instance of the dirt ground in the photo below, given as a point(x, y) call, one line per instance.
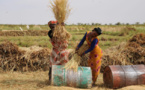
point(38, 81)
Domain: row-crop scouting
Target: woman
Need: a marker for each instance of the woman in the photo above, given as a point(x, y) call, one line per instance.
point(59, 54)
point(95, 51)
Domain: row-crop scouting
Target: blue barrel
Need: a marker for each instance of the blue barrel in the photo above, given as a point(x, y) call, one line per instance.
point(81, 79)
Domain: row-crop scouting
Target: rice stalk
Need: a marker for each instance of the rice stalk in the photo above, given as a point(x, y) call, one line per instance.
point(73, 63)
point(60, 33)
point(83, 48)
point(61, 11)
point(76, 58)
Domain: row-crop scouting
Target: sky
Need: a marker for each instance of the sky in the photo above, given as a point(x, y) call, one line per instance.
point(83, 11)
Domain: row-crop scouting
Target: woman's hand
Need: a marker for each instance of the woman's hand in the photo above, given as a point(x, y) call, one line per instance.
point(62, 24)
point(76, 51)
point(82, 54)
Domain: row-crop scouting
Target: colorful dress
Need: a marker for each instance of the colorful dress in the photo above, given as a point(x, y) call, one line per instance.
point(59, 54)
point(95, 55)
point(95, 58)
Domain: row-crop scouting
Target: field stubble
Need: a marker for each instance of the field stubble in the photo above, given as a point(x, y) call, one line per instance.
point(38, 80)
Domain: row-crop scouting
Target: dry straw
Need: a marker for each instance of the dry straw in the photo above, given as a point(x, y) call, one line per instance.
point(60, 33)
point(82, 49)
point(15, 59)
point(76, 60)
point(61, 11)
point(73, 63)
point(129, 53)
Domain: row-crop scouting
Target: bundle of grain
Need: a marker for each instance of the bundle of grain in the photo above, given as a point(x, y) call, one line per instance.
point(84, 60)
point(76, 60)
point(73, 63)
point(83, 48)
point(61, 12)
point(60, 33)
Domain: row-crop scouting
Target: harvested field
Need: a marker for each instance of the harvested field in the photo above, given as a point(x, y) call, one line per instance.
point(39, 81)
point(24, 33)
point(110, 39)
point(36, 58)
point(28, 33)
point(28, 63)
point(123, 31)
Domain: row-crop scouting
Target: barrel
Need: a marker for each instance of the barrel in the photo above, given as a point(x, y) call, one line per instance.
point(117, 76)
point(81, 79)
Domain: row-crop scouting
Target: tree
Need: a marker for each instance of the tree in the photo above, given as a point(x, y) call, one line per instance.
point(137, 23)
point(118, 23)
point(127, 23)
point(93, 23)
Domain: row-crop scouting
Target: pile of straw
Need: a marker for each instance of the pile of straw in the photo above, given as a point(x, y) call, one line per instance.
point(61, 11)
point(15, 59)
point(130, 53)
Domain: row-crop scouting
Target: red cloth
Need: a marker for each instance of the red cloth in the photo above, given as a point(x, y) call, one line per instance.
point(52, 22)
point(59, 55)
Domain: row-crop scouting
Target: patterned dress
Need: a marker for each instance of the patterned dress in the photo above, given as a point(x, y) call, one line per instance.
point(94, 59)
point(59, 54)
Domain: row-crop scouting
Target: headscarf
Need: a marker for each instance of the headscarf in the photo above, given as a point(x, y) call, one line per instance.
point(52, 22)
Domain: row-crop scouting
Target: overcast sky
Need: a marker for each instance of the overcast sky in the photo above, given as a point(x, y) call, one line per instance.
point(83, 11)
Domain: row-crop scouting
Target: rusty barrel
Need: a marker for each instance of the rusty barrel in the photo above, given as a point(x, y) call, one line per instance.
point(81, 79)
point(116, 76)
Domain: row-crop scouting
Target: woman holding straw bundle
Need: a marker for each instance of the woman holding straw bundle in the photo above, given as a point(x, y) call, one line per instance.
point(95, 51)
point(59, 54)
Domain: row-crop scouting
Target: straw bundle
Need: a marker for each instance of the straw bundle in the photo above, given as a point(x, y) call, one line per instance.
point(60, 33)
point(76, 59)
point(61, 11)
point(73, 63)
point(83, 48)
